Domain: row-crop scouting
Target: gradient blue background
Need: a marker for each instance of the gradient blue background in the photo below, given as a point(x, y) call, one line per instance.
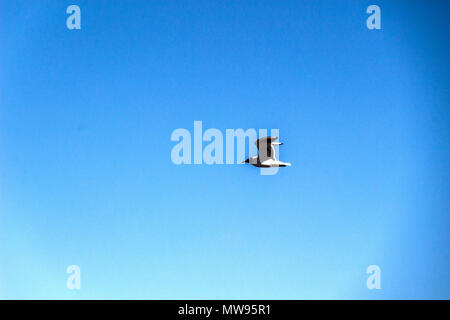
point(86, 176)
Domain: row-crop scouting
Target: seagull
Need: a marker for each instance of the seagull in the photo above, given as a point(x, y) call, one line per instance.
point(266, 158)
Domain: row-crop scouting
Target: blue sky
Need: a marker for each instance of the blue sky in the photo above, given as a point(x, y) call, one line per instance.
point(86, 176)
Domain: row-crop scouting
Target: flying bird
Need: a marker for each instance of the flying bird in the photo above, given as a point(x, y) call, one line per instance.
point(266, 157)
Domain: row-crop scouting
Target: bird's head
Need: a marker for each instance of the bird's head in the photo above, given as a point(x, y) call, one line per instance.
point(251, 160)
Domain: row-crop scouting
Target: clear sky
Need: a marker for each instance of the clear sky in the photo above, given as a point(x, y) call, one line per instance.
point(86, 176)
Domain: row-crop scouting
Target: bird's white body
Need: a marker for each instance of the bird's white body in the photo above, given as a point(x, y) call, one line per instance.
point(267, 157)
point(267, 163)
point(275, 163)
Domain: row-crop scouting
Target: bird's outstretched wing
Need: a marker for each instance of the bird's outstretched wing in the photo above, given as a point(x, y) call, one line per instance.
point(266, 148)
